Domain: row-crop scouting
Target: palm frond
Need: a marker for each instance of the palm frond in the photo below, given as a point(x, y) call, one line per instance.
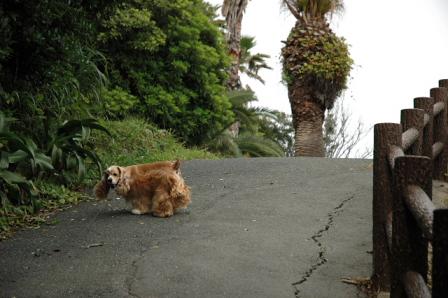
point(258, 146)
point(241, 97)
point(266, 113)
point(312, 9)
point(225, 144)
point(250, 63)
point(247, 43)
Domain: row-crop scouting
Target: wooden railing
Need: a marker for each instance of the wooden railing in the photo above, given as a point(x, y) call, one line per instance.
point(407, 157)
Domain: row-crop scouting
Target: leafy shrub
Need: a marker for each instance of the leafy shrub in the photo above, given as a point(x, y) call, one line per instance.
point(69, 147)
point(117, 103)
point(17, 152)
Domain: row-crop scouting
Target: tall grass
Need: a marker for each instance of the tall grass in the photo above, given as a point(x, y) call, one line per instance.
point(135, 141)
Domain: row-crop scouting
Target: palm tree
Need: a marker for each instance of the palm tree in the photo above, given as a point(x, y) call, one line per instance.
point(255, 138)
point(250, 64)
point(233, 11)
point(316, 64)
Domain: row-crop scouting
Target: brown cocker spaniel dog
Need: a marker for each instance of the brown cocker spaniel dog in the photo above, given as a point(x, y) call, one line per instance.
point(156, 188)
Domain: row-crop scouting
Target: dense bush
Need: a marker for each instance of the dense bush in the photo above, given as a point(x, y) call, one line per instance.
point(50, 68)
point(20, 160)
point(166, 60)
point(171, 57)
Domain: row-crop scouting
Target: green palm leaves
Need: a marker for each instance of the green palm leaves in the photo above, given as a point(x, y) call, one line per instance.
point(256, 136)
point(251, 64)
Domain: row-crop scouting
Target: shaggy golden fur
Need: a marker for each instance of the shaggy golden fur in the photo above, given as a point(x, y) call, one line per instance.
point(160, 192)
point(114, 173)
point(157, 187)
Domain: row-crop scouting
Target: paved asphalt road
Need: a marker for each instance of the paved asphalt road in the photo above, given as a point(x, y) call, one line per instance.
point(256, 228)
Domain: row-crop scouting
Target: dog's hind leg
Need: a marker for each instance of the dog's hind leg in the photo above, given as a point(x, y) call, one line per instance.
point(139, 207)
point(161, 205)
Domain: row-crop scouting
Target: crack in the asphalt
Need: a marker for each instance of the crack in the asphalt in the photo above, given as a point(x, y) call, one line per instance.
point(131, 279)
point(316, 238)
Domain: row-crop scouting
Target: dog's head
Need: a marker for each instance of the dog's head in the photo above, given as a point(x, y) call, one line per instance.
point(113, 175)
point(110, 179)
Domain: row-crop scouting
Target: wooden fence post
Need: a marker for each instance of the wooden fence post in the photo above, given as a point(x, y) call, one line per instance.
point(443, 83)
point(409, 247)
point(413, 118)
point(440, 254)
point(427, 105)
point(385, 136)
point(440, 133)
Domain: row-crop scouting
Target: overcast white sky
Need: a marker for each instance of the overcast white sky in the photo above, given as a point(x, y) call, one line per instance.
point(400, 49)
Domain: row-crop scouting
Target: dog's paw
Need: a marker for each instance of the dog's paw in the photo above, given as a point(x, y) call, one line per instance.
point(136, 212)
point(162, 214)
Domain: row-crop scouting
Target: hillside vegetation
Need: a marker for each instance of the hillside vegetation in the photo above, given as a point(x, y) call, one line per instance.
point(132, 141)
point(86, 84)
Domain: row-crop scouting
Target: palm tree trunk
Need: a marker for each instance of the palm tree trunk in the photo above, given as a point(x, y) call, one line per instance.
point(308, 117)
point(233, 11)
point(308, 131)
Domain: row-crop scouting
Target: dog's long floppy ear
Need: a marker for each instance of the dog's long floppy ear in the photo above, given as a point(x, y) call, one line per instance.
point(123, 187)
point(176, 166)
point(102, 187)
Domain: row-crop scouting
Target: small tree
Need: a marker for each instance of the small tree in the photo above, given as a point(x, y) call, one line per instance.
point(341, 137)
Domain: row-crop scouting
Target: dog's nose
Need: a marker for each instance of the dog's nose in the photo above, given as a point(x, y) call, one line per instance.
point(109, 180)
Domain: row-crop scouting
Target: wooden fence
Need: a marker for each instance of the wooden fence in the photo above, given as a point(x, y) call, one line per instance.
point(407, 157)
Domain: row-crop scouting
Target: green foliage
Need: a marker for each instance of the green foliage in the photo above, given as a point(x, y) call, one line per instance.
point(319, 60)
point(117, 102)
point(69, 148)
point(331, 63)
point(240, 100)
point(277, 126)
point(171, 56)
point(64, 62)
point(166, 61)
point(14, 188)
point(56, 195)
point(225, 143)
point(134, 28)
point(21, 160)
point(258, 146)
point(16, 152)
point(50, 68)
point(251, 64)
point(260, 131)
point(48, 198)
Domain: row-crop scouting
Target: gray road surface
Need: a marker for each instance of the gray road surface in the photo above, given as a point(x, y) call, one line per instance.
point(256, 228)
